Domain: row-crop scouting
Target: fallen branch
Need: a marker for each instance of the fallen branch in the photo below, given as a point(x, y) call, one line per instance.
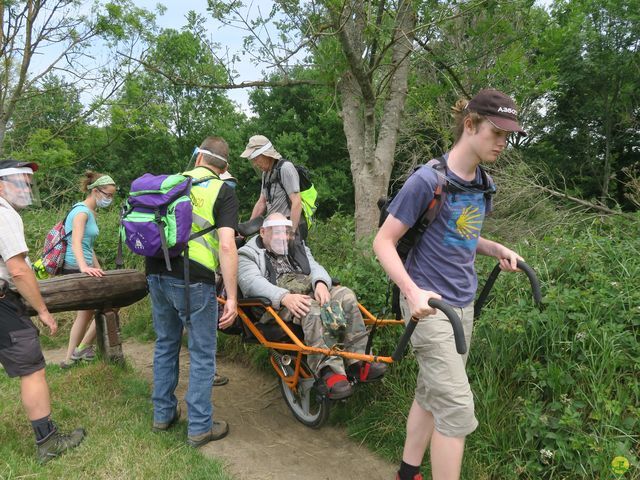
point(579, 201)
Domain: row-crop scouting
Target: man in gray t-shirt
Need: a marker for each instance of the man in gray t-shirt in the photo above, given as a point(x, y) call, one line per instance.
point(280, 188)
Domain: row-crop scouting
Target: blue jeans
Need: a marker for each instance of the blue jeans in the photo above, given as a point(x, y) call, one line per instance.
point(168, 308)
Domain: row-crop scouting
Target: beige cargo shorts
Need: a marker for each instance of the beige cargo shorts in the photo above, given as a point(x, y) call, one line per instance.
point(442, 386)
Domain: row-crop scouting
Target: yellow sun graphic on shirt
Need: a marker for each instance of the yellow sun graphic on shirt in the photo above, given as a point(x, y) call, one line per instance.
point(469, 223)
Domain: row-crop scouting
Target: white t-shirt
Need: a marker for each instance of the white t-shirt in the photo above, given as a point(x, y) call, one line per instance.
point(12, 241)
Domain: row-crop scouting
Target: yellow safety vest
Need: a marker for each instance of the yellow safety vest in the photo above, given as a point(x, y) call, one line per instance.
point(204, 249)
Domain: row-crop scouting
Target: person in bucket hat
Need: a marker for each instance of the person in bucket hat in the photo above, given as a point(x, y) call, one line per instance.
point(20, 351)
point(280, 187)
point(441, 265)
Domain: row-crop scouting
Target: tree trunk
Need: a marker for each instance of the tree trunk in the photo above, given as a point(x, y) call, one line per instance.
point(3, 131)
point(606, 169)
point(359, 128)
point(371, 150)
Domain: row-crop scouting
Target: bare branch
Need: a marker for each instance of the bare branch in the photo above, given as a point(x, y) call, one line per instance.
point(222, 86)
point(446, 67)
point(353, 57)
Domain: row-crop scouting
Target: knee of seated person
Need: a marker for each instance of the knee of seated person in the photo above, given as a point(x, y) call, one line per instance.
point(345, 296)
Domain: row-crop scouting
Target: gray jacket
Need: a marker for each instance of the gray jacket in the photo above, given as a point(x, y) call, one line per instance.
point(253, 277)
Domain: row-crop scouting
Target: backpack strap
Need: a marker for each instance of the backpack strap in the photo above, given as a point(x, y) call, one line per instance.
point(488, 184)
point(409, 239)
point(277, 179)
point(203, 179)
point(193, 236)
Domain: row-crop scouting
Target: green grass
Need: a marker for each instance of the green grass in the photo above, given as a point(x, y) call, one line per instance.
point(114, 405)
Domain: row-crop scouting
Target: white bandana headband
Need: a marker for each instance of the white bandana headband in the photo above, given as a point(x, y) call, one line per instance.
point(214, 155)
point(277, 223)
point(260, 151)
point(15, 171)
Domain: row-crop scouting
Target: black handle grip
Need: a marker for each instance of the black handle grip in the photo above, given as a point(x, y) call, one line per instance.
point(458, 331)
point(533, 279)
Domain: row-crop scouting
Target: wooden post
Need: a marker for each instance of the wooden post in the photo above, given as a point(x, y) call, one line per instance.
point(108, 336)
point(79, 291)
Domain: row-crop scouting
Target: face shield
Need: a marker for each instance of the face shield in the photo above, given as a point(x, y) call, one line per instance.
point(18, 187)
point(277, 236)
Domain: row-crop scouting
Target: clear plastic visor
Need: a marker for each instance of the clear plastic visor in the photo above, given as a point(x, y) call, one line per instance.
point(278, 238)
point(20, 190)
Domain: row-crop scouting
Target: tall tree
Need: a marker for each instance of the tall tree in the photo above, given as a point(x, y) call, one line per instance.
point(155, 123)
point(61, 32)
point(498, 46)
point(592, 119)
point(363, 48)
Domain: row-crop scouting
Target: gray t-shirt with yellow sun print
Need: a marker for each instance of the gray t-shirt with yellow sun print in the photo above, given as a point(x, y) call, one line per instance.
point(443, 259)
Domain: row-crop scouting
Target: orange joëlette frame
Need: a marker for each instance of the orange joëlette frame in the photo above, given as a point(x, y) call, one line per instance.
point(299, 346)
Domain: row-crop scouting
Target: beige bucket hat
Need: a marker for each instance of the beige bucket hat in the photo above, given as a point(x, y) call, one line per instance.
point(260, 145)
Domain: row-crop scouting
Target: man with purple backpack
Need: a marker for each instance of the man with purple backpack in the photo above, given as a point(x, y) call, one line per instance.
point(215, 211)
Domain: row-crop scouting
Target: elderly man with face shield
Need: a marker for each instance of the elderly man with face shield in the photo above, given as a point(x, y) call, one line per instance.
point(20, 352)
point(273, 266)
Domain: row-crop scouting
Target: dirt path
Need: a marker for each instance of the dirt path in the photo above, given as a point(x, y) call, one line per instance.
point(265, 441)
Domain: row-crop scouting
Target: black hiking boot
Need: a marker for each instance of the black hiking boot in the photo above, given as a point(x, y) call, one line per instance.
point(57, 443)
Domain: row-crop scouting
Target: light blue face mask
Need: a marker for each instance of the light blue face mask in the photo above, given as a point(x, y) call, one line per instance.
point(103, 202)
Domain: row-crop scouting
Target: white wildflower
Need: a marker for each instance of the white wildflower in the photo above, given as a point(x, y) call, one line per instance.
point(546, 456)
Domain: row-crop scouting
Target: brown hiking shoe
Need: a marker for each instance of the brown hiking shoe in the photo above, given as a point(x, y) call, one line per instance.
point(57, 443)
point(164, 426)
point(218, 430)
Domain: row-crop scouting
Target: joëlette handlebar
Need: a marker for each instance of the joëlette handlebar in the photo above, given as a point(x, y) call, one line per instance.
point(533, 279)
point(458, 332)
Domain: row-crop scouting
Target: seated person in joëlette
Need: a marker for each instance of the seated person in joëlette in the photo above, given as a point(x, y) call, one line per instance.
point(271, 265)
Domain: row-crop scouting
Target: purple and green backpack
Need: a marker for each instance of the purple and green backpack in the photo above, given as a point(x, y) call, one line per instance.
point(157, 216)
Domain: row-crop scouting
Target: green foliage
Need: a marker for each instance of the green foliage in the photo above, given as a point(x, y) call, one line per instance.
point(591, 107)
point(50, 152)
point(561, 381)
point(156, 122)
